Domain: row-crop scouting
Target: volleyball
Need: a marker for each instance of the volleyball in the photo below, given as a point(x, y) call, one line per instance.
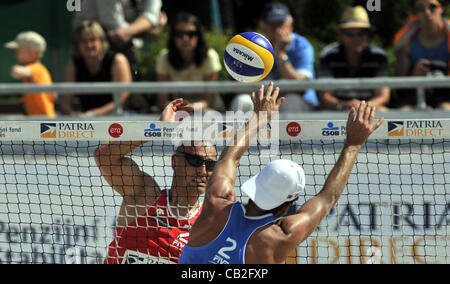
point(249, 57)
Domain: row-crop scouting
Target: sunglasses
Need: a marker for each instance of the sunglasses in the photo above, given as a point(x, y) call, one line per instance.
point(421, 8)
point(181, 34)
point(353, 34)
point(198, 161)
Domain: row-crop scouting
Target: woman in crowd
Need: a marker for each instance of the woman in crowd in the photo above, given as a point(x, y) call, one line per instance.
point(188, 58)
point(94, 62)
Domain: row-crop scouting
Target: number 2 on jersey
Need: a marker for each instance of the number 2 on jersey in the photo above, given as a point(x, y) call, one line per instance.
point(232, 247)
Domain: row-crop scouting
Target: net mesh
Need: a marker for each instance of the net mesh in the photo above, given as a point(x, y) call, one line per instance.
point(55, 206)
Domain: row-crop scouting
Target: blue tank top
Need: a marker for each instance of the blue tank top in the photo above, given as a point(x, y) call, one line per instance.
point(229, 246)
point(418, 51)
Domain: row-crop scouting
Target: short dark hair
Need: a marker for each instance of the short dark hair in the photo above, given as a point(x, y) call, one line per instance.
point(201, 51)
point(182, 146)
point(278, 208)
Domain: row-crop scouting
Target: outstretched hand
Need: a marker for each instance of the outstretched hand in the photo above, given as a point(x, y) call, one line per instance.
point(176, 110)
point(267, 102)
point(359, 128)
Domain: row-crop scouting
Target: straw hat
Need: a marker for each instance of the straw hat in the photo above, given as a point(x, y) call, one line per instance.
point(355, 18)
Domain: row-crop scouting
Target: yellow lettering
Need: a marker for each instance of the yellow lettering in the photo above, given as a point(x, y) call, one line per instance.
point(415, 251)
point(349, 252)
point(313, 251)
point(76, 134)
point(401, 249)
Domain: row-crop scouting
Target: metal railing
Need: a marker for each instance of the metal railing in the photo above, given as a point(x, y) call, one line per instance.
point(231, 87)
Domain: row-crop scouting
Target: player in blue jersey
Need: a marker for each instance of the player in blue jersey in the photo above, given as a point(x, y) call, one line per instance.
point(257, 233)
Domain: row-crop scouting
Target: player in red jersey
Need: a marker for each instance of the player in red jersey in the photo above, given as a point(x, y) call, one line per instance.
point(153, 224)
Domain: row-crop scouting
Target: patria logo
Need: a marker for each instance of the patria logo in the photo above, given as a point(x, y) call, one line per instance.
point(396, 129)
point(243, 54)
point(67, 130)
point(48, 130)
point(415, 128)
point(225, 130)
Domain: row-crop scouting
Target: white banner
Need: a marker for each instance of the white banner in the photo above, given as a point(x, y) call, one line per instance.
point(216, 130)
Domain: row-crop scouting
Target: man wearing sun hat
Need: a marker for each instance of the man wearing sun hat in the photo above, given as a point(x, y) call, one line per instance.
point(229, 232)
point(353, 57)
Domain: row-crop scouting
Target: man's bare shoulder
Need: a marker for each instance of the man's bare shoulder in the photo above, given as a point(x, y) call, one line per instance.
point(209, 226)
point(275, 241)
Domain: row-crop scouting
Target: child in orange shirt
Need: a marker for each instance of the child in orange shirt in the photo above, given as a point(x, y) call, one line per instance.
point(30, 47)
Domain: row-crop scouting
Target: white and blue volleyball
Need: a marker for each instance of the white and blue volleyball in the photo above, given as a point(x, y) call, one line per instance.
point(249, 57)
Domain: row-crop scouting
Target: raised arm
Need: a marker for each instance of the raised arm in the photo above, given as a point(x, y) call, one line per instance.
point(121, 172)
point(300, 225)
point(220, 190)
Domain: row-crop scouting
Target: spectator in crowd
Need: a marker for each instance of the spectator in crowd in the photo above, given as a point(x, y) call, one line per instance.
point(353, 57)
point(124, 21)
point(30, 48)
point(294, 58)
point(423, 49)
point(188, 58)
point(94, 62)
point(140, 236)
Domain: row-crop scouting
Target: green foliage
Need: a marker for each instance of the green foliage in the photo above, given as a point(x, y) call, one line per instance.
point(318, 20)
point(146, 68)
point(218, 42)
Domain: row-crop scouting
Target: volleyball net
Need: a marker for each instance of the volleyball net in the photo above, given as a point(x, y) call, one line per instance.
point(55, 206)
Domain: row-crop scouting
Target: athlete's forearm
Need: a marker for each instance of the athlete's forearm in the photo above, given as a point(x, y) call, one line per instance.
point(339, 175)
point(123, 148)
point(224, 176)
point(241, 140)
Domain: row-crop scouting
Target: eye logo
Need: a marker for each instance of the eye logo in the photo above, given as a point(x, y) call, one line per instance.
point(225, 130)
point(48, 130)
point(396, 129)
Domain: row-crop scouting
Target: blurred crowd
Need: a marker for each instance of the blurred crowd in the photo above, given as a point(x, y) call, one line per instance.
point(107, 35)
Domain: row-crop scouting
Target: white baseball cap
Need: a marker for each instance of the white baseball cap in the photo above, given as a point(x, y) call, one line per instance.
point(28, 39)
point(279, 182)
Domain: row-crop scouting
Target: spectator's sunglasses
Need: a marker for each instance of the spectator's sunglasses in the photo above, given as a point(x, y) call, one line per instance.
point(181, 34)
point(352, 34)
point(198, 161)
point(431, 6)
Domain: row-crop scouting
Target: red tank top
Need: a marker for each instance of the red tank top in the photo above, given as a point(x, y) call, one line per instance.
point(157, 236)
